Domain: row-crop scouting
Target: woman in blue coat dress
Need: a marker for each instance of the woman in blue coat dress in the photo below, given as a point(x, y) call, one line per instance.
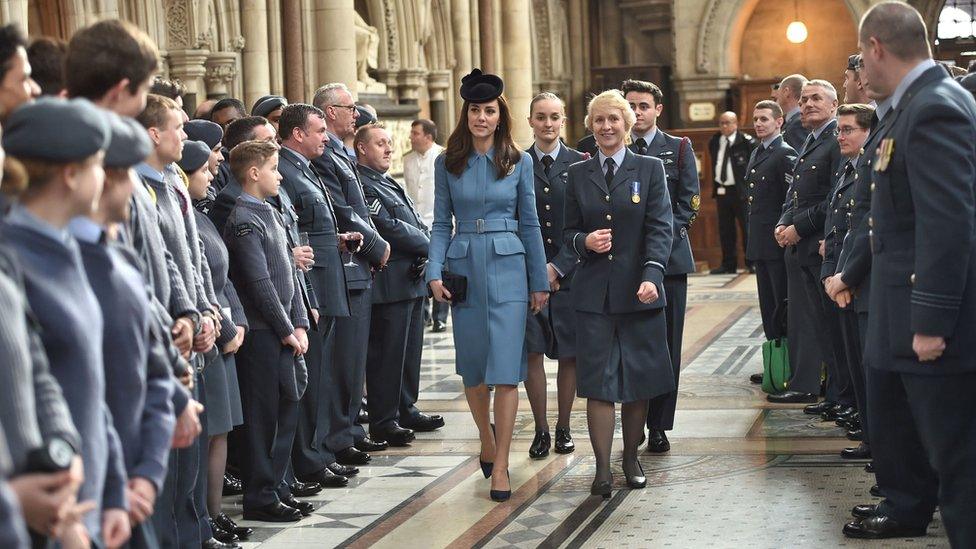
point(483, 191)
point(618, 218)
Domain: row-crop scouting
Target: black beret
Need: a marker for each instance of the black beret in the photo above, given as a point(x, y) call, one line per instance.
point(365, 117)
point(205, 131)
point(58, 130)
point(854, 62)
point(129, 143)
point(478, 87)
point(195, 155)
point(267, 104)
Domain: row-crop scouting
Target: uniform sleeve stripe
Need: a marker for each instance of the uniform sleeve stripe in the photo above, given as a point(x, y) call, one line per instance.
point(654, 263)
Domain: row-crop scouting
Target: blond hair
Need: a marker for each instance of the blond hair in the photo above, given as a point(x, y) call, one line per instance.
point(611, 99)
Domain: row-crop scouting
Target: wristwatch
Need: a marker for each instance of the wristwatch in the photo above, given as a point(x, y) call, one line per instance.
point(53, 456)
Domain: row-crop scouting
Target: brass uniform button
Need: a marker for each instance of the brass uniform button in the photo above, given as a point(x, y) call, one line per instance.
point(912, 279)
point(752, 185)
point(871, 222)
point(548, 207)
point(548, 223)
point(609, 217)
point(872, 187)
point(548, 241)
point(545, 189)
point(610, 257)
point(607, 198)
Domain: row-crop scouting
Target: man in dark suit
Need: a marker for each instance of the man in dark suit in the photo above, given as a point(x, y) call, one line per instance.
point(770, 165)
point(788, 97)
point(338, 174)
point(730, 150)
point(397, 325)
point(921, 374)
point(647, 139)
point(799, 230)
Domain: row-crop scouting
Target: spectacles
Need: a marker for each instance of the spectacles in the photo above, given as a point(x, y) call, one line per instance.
point(352, 108)
point(848, 130)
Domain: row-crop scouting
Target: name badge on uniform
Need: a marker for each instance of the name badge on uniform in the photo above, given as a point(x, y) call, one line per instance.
point(635, 192)
point(884, 153)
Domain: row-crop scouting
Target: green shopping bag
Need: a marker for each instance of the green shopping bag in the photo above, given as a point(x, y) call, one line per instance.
point(776, 366)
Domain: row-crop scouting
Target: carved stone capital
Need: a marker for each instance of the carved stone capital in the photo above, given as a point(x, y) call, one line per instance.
point(438, 82)
point(221, 72)
point(410, 81)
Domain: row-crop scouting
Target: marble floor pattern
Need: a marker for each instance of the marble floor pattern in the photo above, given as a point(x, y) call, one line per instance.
point(741, 472)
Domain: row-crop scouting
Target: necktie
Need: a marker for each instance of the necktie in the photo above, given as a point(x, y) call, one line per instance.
point(806, 144)
point(547, 162)
point(641, 145)
point(609, 163)
point(848, 169)
point(725, 161)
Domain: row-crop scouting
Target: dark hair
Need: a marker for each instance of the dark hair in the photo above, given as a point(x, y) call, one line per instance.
point(296, 116)
point(11, 38)
point(248, 154)
point(427, 125)
point(241, 130)
point(167, 88)
point(460, 144)
point(46, 56)
point(105, 53)
point(362, 134)
point(643, 86)
point(227, 103)
point(862, 113)
point(771, 105)
point(899, 27)
point(157, 108)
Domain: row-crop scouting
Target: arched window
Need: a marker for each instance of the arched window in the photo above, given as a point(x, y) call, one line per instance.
point(956, 20)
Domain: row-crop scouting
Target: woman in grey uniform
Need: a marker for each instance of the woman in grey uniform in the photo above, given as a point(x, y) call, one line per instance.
point(618, 218)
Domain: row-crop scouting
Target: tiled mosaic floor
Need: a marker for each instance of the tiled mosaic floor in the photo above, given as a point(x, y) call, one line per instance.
point(741, 473)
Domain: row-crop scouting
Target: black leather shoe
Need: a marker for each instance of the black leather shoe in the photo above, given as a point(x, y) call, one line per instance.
point(304, 489)
point(861, 451)
point(540, 445)
point(422, 423)
point(502, 495)
point(363, 417)
point(847, 415)
point(564, 441)
point(756, 379)
point(226, 523)
point(869, 467)
point(368, 445)
point(881, 527)
point(304, 507)
point(876, 492)
point(601, 488)
point(792, 397)
point(276, 512)
point(837, 411)
point(327, 479)
point(222, 535)
point(850, 422)
point(657, 442)
point(393, 436)
point(352, 456)
point(818, 408)
point(864, 511)
point(751, 269)
point(855, 435)
point(232, 485)
point(216, 544)
point(438, 327)
point(343, 470)
point(722, 271)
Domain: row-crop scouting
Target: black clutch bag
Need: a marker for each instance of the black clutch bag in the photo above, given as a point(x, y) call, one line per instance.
point(457, 285)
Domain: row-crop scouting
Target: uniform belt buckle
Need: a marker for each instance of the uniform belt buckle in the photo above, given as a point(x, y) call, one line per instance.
point(479, 226)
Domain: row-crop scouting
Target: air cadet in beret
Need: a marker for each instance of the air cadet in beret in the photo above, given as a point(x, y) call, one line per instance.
point(60, 133)
point(270, 107)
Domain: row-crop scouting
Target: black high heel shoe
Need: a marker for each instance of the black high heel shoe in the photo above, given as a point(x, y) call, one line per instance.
point(487, 466)
point(502, 495)
point(637, 481)
point(601, 488)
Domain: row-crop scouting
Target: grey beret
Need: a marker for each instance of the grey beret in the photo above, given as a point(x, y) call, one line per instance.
point(58, 130)
point(195, 155)
point(365, 117)
point(129, 143)
point(267, 104)
point(205, 131)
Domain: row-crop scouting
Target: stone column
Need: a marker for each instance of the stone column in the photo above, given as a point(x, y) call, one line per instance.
point(516, 33)
point(257, 76)
point(221, 71)
point(336, 42)
point(188, 66)
point(14, 11)
point(486, 24)
point(291, 18)
point(439, 87)
point(277, 78)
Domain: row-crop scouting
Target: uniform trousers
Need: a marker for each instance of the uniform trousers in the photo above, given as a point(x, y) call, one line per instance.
point(144, 536)
point(203, 453)
point(850, 325)
point(771, 282)
point(805, 348)
point(731, 212)
point(660, 409)
point(346, 373)
point(410, 388)
point(309, 453)
point(270, 418)
point(839, 388)
point(390, 327)
point(435, 310)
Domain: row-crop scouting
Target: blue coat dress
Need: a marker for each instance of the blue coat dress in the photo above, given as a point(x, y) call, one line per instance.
point(497, 245)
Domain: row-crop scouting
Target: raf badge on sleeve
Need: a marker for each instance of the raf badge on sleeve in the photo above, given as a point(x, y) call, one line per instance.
point(635, 192)
point(884, 153)
point(696, 202)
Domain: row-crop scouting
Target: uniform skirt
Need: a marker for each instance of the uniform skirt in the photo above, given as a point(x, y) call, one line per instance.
point(223, 395)
point(553, 330)
point(622, 357)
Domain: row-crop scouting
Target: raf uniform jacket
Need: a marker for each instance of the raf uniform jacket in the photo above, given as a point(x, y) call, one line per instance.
point(683, 188)
point(550, 199)
point(806, 199)
point(840, 208)
point(766, 185)
point(339, 176)
point(793, 131)
point(641, 233)
point(923, 229)
point(400, 225)
point(313, 204)
point(741, 151)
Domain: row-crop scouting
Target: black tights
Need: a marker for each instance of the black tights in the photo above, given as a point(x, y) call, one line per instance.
point(600, 420)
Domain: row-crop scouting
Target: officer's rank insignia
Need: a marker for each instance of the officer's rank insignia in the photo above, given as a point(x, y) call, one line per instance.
point(635, 192)
point(696, 202)
point(884, 153)
point(375, 206)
